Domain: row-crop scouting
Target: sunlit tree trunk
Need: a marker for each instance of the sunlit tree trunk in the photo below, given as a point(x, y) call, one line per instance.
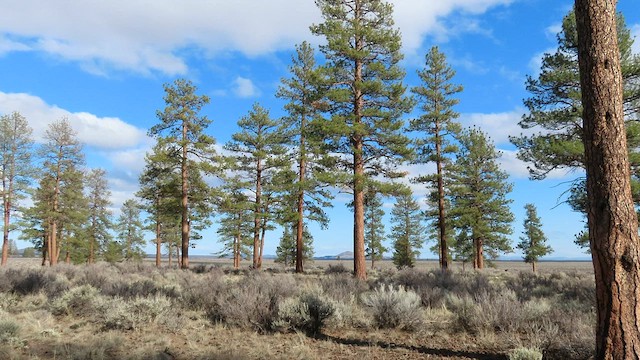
point(613, 223)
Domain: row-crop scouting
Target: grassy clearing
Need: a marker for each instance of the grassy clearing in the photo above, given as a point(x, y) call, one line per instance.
point(135, 311)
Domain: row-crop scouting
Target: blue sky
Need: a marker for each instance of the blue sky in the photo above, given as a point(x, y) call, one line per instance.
point(102, 65)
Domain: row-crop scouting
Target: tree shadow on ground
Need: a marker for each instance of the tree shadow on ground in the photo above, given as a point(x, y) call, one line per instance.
point(443, 353)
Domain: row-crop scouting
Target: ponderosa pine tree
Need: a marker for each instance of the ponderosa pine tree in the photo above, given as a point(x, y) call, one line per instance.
point(62, 154)
point(612, 218)
point(99, 216)
point(182, 128)
point(305, 91)
point(437, 129)
point(16, 169)
point(256, 156)
point(74, 235)
point(35, 221)
point(407, 231)
point(130, 229)
point(374, 233)
point(366, 100)
point(555, 108)
point(533, 240)
point(236, 221)
point(478, 193)
point(159, 191)
point(287, 251)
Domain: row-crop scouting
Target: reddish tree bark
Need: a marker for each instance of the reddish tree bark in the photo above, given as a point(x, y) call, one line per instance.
point(613, 224)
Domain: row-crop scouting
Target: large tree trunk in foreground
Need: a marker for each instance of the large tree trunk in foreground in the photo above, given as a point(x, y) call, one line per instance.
point(613, 225)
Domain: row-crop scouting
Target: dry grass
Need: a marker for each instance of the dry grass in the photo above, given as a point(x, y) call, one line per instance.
point(135, 311)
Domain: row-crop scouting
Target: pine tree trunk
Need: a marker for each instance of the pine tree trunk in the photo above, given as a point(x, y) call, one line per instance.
point(533, 266)
point(91, 259)
point(479, 256)
point(45, 248)
point(256, 219)
point(53, 244)
point(444, 248)
point(300, 225)
point(359, 261)
point(5, 235)
point(184, 264)
point(236, 250)
point(158, 240)
point(6, 201)
point(262, 237)
point(613, 227)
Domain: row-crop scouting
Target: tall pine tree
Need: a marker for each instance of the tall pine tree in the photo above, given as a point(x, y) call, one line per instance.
point(305, 91)
point(256, 156)
point(479, 202)
point(366, 99)
point(437, 128)
point(99, 215)
point(16, 169)
point(183, 129)
point(62, 153)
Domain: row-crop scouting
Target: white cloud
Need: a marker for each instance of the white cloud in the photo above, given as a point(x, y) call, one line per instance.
point(101, 132)
point(517, 168)
point(635, 34)
point(419, 18)
point(499, 126)
point(512, 165)
point(143, 36)
point(7, 45)
point(245, 88)
point(552, 31)
point(535, 63)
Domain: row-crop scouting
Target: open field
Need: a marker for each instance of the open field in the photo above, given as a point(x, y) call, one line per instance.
point(135, 311)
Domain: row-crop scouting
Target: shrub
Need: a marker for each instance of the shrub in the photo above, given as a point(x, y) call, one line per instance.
point(201, 292)
point(308, 311)
point(394, 308)
point(9, 330)
point(341, 287)
point(79, 301)
point(337, 269)
point(253, 303)
point(134, 314)
point(32, 281)
point(523, 353)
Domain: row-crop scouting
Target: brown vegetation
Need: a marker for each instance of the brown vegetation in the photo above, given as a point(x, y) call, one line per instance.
point(136, 311)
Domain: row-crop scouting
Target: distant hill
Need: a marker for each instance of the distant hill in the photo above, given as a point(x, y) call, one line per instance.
point(345, 255)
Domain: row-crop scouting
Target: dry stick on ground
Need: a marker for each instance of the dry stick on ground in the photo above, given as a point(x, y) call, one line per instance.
point(613, 225)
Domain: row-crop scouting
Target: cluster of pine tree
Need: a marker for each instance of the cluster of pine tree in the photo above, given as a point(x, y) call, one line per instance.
point(69, 219)
point(344, 131)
